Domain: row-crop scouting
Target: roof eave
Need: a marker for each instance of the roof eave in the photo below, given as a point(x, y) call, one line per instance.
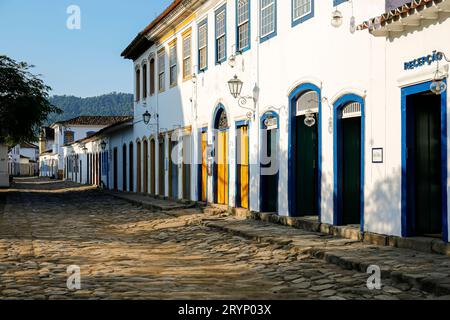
point(408, 15)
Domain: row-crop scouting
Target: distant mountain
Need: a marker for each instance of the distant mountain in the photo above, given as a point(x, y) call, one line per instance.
point(112, 104)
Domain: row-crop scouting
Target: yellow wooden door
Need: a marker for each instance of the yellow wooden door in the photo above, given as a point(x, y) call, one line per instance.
point(222, 166)
point(243, 166)
point(204, 166)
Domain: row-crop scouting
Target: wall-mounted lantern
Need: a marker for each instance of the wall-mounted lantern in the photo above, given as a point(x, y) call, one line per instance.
point(235, 85)
point(438, 85)
point(146, 117)
point(336, 18)
point(103, 145)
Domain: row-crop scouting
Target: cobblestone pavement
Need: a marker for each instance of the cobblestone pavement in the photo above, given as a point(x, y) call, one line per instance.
point(126, 252)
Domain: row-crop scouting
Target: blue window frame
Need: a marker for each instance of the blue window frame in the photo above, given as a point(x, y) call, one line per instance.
point(338, 2)
point(243, 25)
point(203, 46)
point(302, 10)
point(268, 19)
point(221, 34)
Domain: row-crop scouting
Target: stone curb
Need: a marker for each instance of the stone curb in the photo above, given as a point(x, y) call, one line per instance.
point(432, 285)
point(149, 205)
point(427, 245)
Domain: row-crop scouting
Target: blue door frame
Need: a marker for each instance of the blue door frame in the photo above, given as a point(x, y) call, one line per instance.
point(220, 107)
point(337, 155)
point(263, 127)
point(199, 167)
point(407, 216)
point(291, 165)
point(238, 124)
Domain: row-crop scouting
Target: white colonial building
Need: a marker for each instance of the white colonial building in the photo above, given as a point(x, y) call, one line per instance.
point(4, 175)
point(335, 109)
point(23, 159)
point(60, 133)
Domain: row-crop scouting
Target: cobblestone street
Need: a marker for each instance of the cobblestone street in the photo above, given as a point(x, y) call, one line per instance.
point(126, 252)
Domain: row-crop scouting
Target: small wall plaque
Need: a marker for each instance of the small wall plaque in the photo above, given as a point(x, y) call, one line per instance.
point(377, 155)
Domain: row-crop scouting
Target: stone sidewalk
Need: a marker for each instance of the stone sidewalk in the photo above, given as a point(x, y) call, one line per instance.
point(425, 271)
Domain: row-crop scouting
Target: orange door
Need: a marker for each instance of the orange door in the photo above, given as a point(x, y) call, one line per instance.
point(204, 165)
point(222, 166)
point(243, 166)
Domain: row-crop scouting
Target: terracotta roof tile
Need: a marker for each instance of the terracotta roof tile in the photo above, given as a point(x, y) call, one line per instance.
point(94, 120)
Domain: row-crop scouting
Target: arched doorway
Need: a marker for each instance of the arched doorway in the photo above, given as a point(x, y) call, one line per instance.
point(138, 167)
point(131, 173)
point(152, 166)
point(203, 167)
point(145, 157)
point(161, 166)
point(173, 167)
point(304, 151)
point(186, 170)
point(242, 165)
point(349, 160)
point(115, 168)
point(221, 166)
point(269, 165)
point(124, 167)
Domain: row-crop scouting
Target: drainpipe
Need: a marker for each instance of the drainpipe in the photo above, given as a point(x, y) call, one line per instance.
point(258, 144)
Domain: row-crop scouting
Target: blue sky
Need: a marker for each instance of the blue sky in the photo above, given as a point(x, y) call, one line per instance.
point(82, 62)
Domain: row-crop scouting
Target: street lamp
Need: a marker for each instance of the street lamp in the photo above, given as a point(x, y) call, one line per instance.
point(336, 19)
point(438, 85)
point(146, 117)
point(235, 85)
point(103, 145)
point(310, 120)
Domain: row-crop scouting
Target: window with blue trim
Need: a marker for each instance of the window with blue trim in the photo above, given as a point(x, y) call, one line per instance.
point(221, 35)
point(338, 2)
point(268, 18)
point(302, 10)
point(243, 25)
point(203, 46)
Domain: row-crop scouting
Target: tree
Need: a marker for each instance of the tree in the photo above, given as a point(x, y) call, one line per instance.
point(24, 103)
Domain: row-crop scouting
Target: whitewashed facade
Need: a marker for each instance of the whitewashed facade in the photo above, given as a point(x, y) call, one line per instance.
point(4, 176)
point(295, 66)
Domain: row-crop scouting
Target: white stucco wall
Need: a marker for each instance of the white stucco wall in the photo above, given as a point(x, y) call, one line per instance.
point(4, 176)
point(334, 60)
point(314, 51)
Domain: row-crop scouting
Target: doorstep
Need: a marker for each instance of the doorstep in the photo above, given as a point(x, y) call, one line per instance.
point(352, 232)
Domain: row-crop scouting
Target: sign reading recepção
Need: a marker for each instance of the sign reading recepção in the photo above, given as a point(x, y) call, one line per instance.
point(419, 62)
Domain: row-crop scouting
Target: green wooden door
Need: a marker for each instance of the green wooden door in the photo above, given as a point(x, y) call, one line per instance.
point(351, 170)
point(269, 174)
point(427, 166)
point(306, 168)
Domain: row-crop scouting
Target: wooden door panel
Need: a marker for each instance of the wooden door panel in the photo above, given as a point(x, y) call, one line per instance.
point(204, 166)
point(351, 164)
point(243, 167)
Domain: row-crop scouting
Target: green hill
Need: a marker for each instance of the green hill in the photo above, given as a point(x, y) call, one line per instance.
point(112, 104)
